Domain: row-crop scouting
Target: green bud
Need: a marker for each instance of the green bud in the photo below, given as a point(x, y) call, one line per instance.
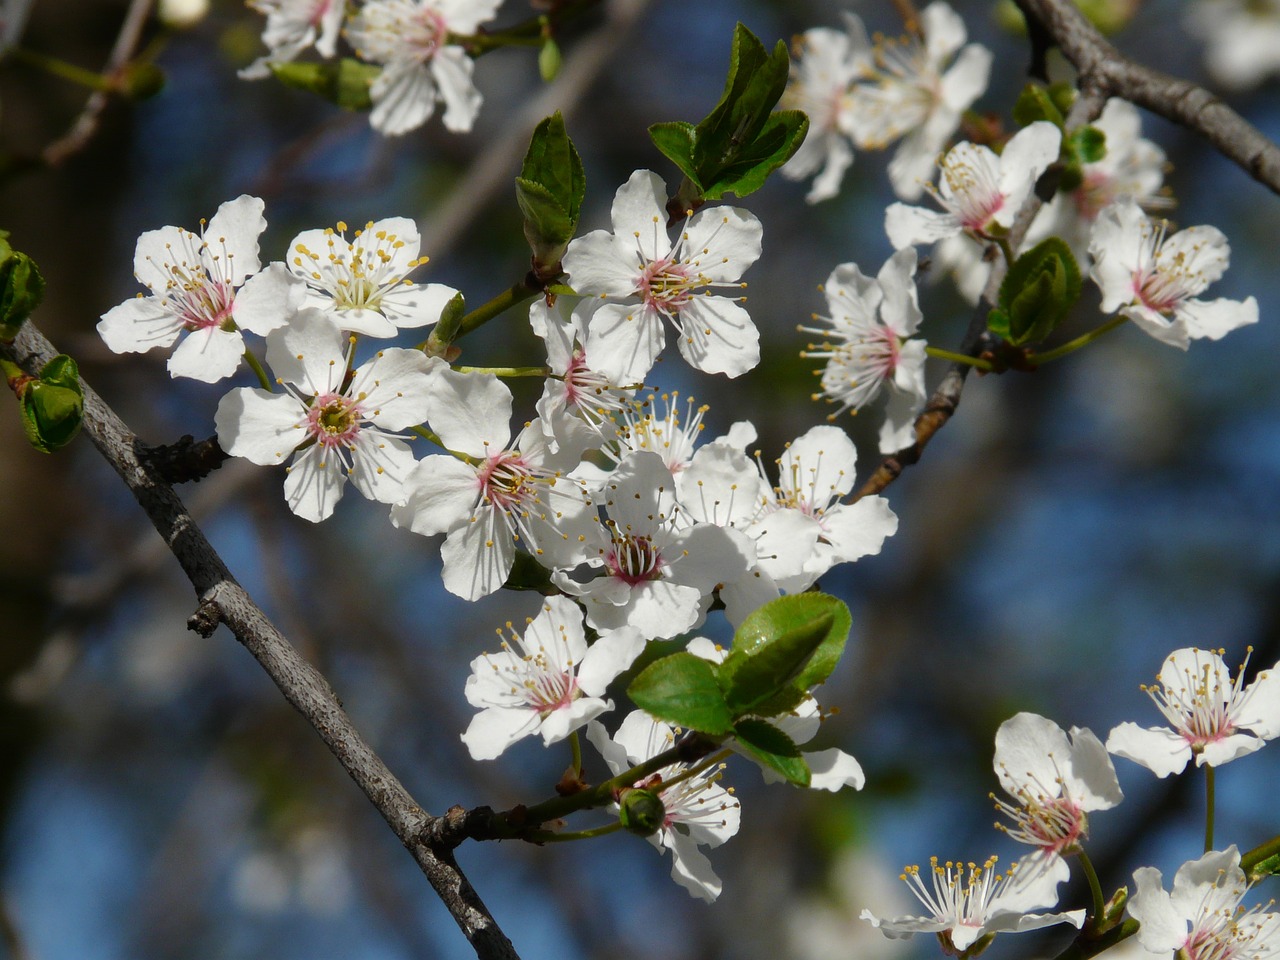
point(21, 290)
point(641, 812)
point(1035, 103)
point(52, 405)
point(549, 60)
point(345, 82)
point(1089, 144)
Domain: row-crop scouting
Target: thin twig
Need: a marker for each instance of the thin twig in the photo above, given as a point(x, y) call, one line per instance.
point(86, 124)
point(223, 600)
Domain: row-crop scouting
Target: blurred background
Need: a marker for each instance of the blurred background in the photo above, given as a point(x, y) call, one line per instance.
point(1064, 533)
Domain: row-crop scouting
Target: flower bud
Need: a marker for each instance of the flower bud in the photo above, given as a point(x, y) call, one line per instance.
point(641, 812)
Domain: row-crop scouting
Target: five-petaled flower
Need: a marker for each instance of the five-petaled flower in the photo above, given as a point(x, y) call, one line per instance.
point(552, 685)
point(647, 281)
point(335, 420)
point(1213, 718)
point(1154, 277)
point(1202, 918)
point(207, 287)
point(967, 902)
point(1053, 780)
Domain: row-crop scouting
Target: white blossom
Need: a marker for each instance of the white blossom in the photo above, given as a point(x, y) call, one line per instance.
point(292, 27)
point(869, 345)
point(1154, 277)
point(697, 810)
point(967, 902)
point(648, 282)
point(207, 287)
point(547, 682)
point(1202, 917)
point(338, 425)
point(1054, 780)
point(912, 93)
point(409, 37)
point(1210, 716)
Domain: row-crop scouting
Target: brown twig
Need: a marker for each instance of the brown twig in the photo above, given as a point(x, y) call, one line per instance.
point(223, 600)
point(1107, 72)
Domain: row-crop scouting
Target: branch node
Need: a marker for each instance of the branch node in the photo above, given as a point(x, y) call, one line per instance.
point(206, 619)
point(186, 459)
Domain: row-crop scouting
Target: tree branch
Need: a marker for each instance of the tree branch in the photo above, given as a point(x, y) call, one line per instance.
point(222, 599)
point(1103, 69)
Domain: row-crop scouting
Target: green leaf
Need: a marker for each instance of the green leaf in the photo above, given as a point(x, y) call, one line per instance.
point(549, 190)
point(780, 137)
point(752, 677)
point(768, 745)
point(1035, 103)
point(1038, 291)
point(740, 142)
point(52, 406)
point(1087, 144)
point(793, 613)
point(1063, 94)
point(675, 140)
point(21, 290)
point(682, 689)
point(345, 82)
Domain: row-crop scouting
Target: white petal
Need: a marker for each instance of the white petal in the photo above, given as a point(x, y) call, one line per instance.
point(1159, 749)
point(452, 70)
point(717, 336)
point(262, 427)
point(441, 493)
point(833, 769)
point(639, 214)
point(1214, 319)
point(471, 412)
point(609, 656)
point(268, 300)
point(404, 97)
point(492, 731)
point(394, 388)
point(381, 465)
point(477, 556)
point(1162, 928)
point(910, 225)
point(626, 341)
point(309, 353)
point(207, 355)
point(314, 484)
point(138, 325)
point(231, 239)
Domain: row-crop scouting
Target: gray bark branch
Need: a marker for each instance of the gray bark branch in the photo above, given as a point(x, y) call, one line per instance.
point(222, 599)
point(1105, 70)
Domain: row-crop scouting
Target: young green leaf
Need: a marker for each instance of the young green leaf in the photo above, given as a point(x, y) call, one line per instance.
point(1037, 293)
point(682, 689)
point(752, 677)
point(1035, 103)
point(793, 613)
point(52, 405)
point(768, 745)
point(549, 191)
point(21, 290)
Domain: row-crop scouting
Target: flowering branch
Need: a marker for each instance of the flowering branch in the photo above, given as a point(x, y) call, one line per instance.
point(1105, 72)
point(223, 600)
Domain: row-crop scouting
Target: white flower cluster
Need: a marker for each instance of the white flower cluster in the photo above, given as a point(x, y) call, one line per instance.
point(413, 40)
point(639, 549)
point(1054, 779)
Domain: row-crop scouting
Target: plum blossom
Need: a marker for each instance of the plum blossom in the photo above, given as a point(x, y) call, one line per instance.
point(1054, 782)
point(410, 37)
point(1153, 277)
point(360, 284)
point(580, 407)
point(292, 27)
point(967, 902)
point(697, 811)
point(490, 494)
point(869, 345)
point(1211, 717)
point(826, 63)
point(551, 684)
point(815, 473)
point(912, 93)
point(1202, 917)
point(656, 574)
point(207, 287)
point(980, 193)
point(831, 769)
point(334, 425)
point(646, 280)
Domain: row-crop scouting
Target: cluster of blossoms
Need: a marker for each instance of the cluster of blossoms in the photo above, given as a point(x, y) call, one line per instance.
point(1053, 779)
point(640, 524)
point(856, 93)
point(416, 42)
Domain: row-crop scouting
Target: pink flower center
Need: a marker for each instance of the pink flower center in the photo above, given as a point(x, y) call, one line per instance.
point(634, 560)
point(206, 305)
point(425, 34)
point(334, 420)
point(506, 480)
point(317, 14)
point(665, 285)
